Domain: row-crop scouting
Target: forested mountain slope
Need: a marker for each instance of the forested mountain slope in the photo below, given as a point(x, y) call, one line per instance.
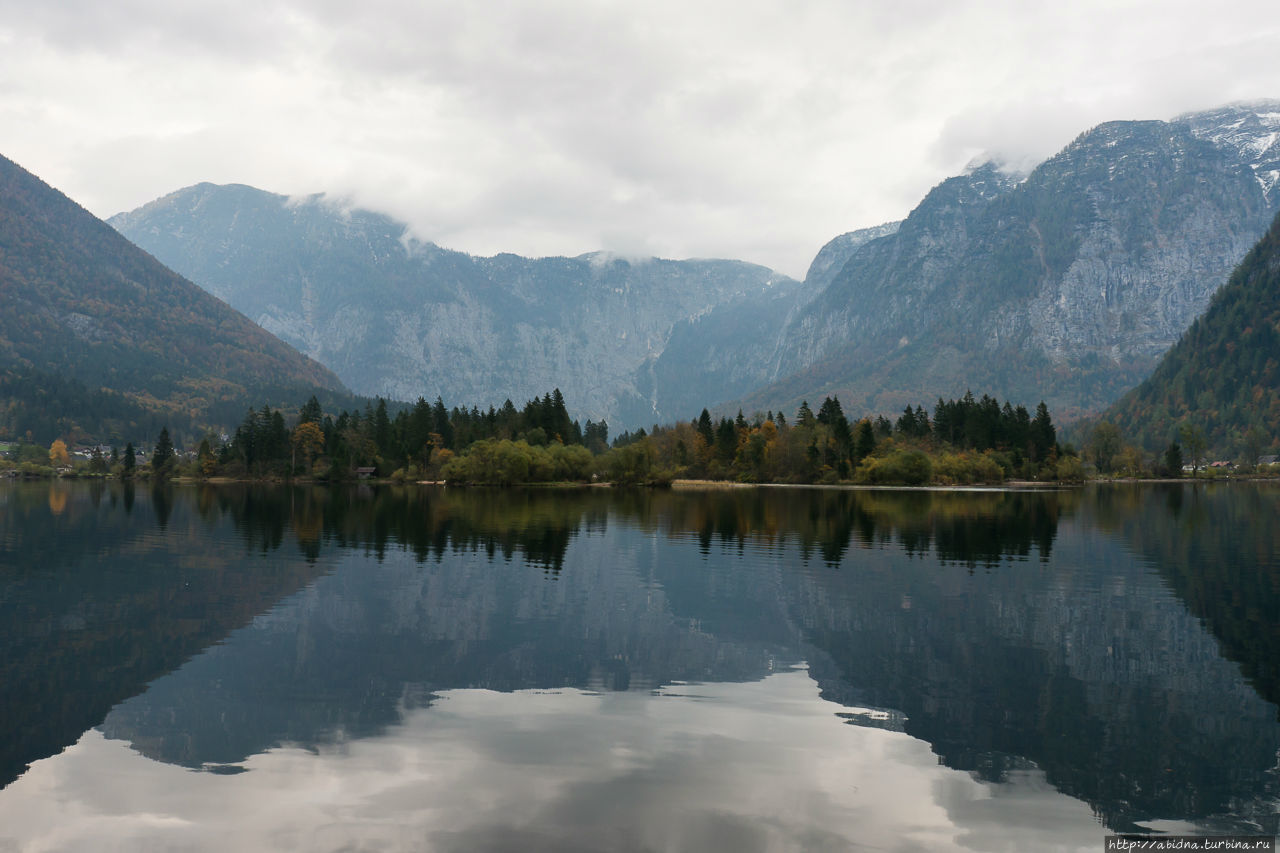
point(87, 310)
point(1223, 376)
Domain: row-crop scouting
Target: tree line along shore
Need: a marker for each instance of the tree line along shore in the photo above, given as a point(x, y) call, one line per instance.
point(963, 442)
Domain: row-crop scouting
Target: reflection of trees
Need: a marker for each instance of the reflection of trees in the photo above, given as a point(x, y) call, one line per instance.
point(434, 522)
point(967, 528)
point(970, 528)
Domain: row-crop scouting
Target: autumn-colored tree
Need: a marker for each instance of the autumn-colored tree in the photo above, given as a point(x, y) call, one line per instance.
point(58, 456)
point(308, 440)
point(207, 461)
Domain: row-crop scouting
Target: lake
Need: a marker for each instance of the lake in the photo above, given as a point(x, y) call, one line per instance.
point(773, 669)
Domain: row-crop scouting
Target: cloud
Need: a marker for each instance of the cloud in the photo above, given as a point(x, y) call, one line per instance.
point(747, 130)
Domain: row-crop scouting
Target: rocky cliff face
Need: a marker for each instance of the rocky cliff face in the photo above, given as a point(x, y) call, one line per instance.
point(832, 257)
point(1066, 285)
point(402, 318)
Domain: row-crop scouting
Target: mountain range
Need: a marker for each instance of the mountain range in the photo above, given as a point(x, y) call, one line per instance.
point(1067, 284)
point(402, 318)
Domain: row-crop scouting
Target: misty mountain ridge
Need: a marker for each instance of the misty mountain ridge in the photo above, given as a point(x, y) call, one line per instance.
point(404, 318)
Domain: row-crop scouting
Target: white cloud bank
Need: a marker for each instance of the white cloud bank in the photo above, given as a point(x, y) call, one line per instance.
point(752, 130)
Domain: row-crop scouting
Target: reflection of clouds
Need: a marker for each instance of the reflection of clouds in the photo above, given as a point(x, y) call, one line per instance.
point(763, 766)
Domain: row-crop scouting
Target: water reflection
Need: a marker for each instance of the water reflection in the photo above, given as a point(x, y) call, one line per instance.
point(96, 601)
point(1057, 634)
point(757, 766)
point(1218, 547)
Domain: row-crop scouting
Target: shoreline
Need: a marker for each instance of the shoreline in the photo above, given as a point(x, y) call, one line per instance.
point(680, 484)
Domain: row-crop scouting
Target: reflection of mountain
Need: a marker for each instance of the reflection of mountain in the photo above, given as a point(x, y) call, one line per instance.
point(1087, 668)
point(1083, 665)
point(1217, 547)
point(102, 590)
point(1005, 629)
point(343, 658)
point(459, 598)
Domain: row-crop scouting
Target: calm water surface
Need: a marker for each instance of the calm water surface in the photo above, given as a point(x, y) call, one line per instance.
point(750, 670)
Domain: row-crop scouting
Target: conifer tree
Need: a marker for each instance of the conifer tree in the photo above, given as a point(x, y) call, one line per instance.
point(163, 454)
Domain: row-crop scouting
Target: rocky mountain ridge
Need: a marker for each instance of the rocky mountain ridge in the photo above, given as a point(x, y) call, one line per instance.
point(1067, 284)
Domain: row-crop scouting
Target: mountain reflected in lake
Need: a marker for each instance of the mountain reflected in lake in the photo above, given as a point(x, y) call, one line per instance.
point(1076, 659)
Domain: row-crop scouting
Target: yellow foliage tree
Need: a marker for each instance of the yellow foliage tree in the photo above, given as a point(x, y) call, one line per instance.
point(308, 439)
point(58, 455)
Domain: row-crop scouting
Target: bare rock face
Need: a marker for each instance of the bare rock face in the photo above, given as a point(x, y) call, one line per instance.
point(1065, 285)
point(402, 318)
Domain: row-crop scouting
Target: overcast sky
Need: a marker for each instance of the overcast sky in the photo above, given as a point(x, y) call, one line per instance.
point(685, 129)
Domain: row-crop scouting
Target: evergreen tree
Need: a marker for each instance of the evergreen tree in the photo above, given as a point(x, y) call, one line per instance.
point(163, 454)
point(310, 413)
point(906, 425)
point(382, 429)
point(442, 425)
point(1043, 436)
point(130, 460)
point(726, 440)
point(705, 429)
point(418, 428)
point(923, 428)
point(864, 440)
point(830, 410)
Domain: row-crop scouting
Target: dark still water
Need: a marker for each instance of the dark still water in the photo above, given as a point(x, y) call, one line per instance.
point(240, 668)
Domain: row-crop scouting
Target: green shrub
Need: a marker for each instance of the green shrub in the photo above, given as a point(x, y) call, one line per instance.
point(900, 468)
